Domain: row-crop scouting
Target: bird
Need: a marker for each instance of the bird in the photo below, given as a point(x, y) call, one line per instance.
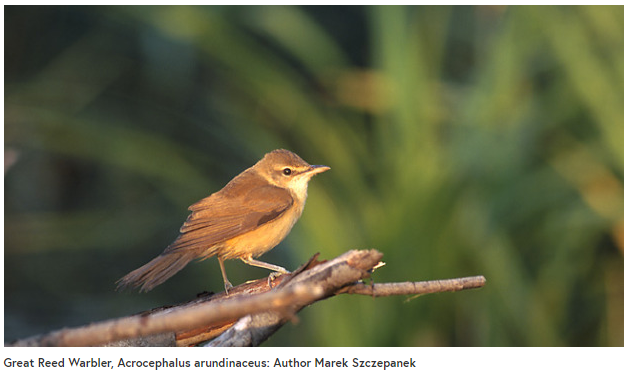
point(249, 216)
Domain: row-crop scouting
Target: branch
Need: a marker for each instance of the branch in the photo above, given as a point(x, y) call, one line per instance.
point(250, 313)
point(178, 318)
point(416, 288)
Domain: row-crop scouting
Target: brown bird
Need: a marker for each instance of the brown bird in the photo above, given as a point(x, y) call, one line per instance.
point(248, 217)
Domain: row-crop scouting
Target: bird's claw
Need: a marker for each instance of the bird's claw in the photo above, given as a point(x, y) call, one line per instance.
point(228, 286)
point(274, 275)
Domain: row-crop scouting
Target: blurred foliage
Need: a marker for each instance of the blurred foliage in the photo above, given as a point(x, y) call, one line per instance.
point(462, 140)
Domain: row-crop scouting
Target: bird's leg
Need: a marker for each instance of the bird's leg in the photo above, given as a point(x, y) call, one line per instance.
point(264, 265)
point(277, 270)
point(228, 285)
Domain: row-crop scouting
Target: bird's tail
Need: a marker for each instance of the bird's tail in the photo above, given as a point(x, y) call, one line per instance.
point(157, 271)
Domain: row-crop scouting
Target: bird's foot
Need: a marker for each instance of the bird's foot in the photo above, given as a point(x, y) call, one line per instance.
point(228, 286)
point(274, 275)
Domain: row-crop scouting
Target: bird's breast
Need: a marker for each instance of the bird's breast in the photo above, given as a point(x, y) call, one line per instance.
point(264, 238)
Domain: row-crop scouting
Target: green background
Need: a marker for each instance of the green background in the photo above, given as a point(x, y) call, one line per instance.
point(462, 140)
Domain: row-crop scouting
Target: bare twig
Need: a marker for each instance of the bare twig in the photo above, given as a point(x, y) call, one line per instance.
point(415, 288)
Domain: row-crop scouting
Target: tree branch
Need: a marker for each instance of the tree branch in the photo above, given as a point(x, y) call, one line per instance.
point(251, 312)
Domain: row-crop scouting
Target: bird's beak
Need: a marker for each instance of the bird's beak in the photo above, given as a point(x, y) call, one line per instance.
point(314, 169)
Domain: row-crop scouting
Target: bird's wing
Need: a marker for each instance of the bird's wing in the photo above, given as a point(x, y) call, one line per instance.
point(218, 217)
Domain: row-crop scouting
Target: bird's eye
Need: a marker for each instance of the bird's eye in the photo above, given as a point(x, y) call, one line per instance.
point(287, 171)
